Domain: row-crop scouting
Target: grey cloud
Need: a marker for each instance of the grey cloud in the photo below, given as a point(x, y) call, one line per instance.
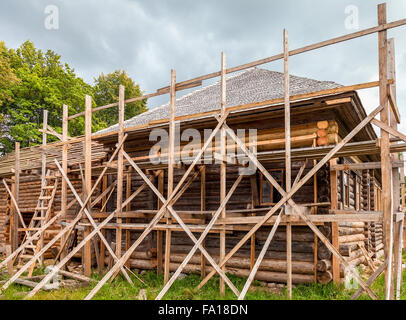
point(148, 38)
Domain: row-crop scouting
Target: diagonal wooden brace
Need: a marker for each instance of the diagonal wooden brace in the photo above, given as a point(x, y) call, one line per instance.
point(184, 227)
point(83, 242)
point(130, 250)
point(260, 257)
point(199, 242)
point(295, 188)
point(93, 223)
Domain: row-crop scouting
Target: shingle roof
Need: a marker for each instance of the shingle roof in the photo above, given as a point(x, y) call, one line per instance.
point(251, 85)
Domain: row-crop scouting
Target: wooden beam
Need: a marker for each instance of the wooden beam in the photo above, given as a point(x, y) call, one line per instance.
point(171, 162)
point(64, 186)
point(87, 253)
point(362, 166)
point(120, 166)
point(159, 239)
point(334, 225)
point(287, 159)
point(203, 208)
point(385, 145)
point(223, 165)
point(16, 190)
point(393, 104)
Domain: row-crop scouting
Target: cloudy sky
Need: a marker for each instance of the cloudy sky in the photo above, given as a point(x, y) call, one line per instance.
point(148, 38)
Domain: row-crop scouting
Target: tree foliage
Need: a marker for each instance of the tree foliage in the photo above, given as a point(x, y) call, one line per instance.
point(32, 81)
point(106, 91)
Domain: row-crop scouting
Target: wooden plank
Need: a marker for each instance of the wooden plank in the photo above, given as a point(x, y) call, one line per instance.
point(223, 165)
point(388, 130)
point(120, 165)
point(317, 218)
point(128, 208)
point(159, 239)
point(10, 262)
point(171, 162)
point(203, 208)
point(363, 165)
point(15, 195)
point(87, 254)
point(64, 186)
point(393, 104)
point(287, 161)
point(385, 145)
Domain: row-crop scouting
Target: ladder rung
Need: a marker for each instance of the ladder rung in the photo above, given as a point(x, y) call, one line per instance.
point(41, 208)
point(50, 177)
point(38, 218)
point(45, 197)
point(47, 187)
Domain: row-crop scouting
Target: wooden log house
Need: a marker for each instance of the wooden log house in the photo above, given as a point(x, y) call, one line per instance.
point(308, 207)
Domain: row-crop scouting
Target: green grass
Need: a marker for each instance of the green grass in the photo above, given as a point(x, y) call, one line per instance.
point(184, 289)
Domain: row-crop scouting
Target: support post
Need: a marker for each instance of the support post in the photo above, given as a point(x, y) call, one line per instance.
point(120, 167)
point(64, 185)
point(159, 238)
point(128, 208)
point(43, 171)
point(203, 208)
point(171, 161)
point(87, 253)
point(386, 167)
point(287, 158)
point(16, 189)
point(334, 225)
point(223, 165)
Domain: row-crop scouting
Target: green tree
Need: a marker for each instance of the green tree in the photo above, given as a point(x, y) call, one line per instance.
point(44, 82)
point(7, 76)
point(32, 81)
point(106, 91)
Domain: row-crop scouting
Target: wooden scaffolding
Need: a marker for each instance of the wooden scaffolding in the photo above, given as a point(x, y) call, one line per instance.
point(284, 211)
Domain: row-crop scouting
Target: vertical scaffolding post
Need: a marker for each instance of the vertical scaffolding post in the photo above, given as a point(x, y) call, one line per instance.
point(334, 225)
point(223, 166)
point(120, 162)
point(64, 186)
point(43, 170)
point(16, 188)
point(287, 158)
point(87, 254)
point(171, 160)
point(385, 152)
point(398, 227)
point(159, 237)
point(203, 208)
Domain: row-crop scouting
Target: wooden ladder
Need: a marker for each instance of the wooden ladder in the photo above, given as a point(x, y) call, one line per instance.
point(42, 214)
